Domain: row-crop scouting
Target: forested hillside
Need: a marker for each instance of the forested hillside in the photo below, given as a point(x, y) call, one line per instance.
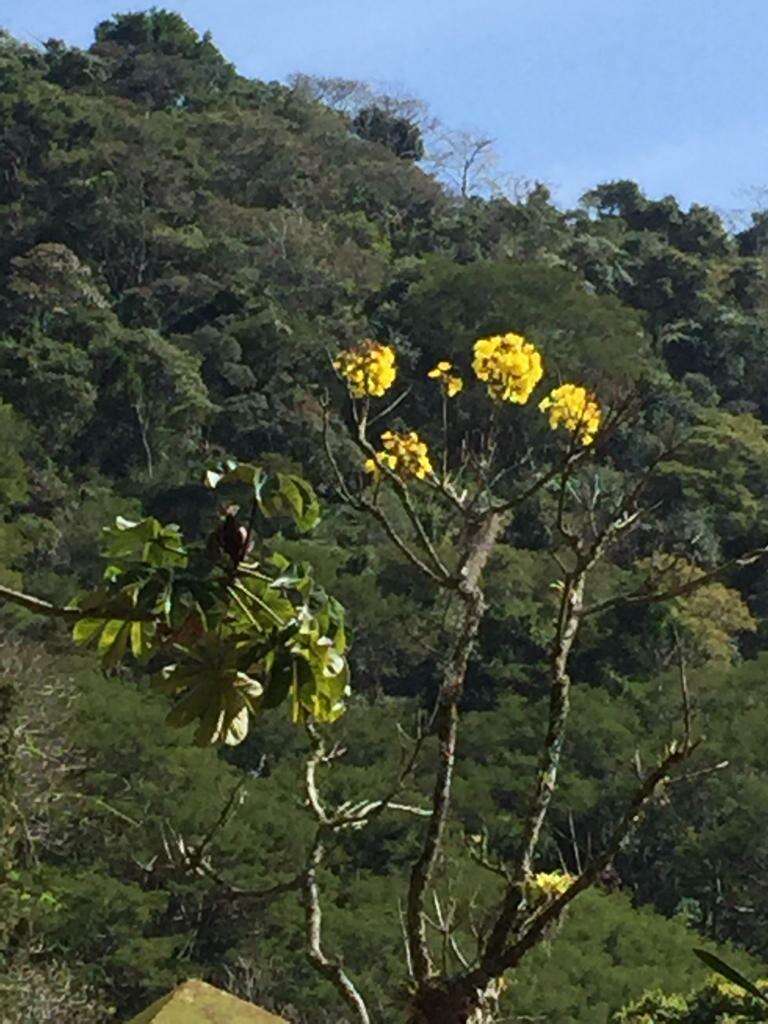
point(183, 251)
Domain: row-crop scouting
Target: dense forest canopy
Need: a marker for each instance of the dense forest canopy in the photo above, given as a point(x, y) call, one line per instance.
point(182, 252)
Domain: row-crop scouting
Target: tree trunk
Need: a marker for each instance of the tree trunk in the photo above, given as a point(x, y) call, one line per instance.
point(441, 1001)
point(480, 545)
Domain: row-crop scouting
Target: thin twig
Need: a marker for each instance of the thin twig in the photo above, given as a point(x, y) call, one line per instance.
point(438, 570)
point(391, 407)
point(200, 848)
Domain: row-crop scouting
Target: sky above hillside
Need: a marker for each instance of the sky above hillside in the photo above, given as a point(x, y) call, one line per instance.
point(670, 93)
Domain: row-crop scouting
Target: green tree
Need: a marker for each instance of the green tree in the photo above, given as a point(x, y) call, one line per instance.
point(396, 133)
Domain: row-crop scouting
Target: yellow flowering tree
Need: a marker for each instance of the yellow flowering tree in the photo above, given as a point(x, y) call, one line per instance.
point(445, 502)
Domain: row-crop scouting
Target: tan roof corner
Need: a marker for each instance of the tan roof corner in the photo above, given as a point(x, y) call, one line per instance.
point(196, 1002)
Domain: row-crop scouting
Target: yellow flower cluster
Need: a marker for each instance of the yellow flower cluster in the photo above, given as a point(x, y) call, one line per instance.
point(510, 365)
point(368, 368)
point(548, 885)
point(404, 454)
point(571, 406)
point(451, 384)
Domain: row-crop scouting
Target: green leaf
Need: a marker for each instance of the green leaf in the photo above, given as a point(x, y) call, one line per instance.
point(109, 634)
point(86, 630)
point(193, 704)
point(281, 494)
point(279, 561)
point(234, 728)
point(142, 635)
point(248, 687)
point(113, 642)
point(147, 541)
point(236, 473)
point(726, 971)
point(291, 496)
point(209, 729)
point(279, 684)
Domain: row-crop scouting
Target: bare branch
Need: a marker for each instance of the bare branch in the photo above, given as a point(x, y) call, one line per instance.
point(181, 856)
point(649, 789)
point(438, 571)
point(330, 969)
point(479, 547)
point(406, 945)
point(197, 853)
point(541, 481)
point(643, 597)
point(38, 606)
point(391, 407)
point(568, 622)
point(361, 813)
point(41, 607)
point(684, 692)
point(574, 842)
point(477, 847)
point(317, 756)
point(445, 926)
point(701, 773)
point(496, 960)
point(254, 895)
point(364, 504)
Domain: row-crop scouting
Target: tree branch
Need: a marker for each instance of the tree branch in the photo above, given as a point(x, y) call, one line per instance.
point(330, 969)
point(374, 509)
point(645, 794)
point(479, 547)
point(568, 623)
point(438, 571)
point(641, 597)
point(549, 762)
point(39, 606)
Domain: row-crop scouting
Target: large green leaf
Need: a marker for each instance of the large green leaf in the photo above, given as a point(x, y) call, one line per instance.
point(236, 473)
point(111, 634)
point(243, 642)
point(278, 494)
point(147, 541)
point(214, 694)
point(86, 630)
point(291, 496)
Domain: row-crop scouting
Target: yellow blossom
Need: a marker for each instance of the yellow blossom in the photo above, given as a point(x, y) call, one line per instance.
point(547, 885)
point(442, 368)
point(404, 454)
point(381, 461)
point(368, 368)
point(573, 407)
point(451, 384)
point(510, 365)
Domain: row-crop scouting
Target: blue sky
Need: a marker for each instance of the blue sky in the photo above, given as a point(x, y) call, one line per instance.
point(671, 93)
